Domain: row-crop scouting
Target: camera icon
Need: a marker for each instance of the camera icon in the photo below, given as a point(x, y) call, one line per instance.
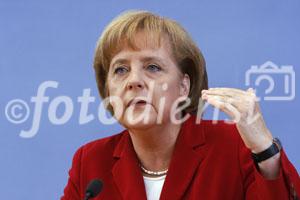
point(280, 80)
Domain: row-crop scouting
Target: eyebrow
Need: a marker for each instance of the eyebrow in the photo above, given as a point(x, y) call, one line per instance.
point(144, 59)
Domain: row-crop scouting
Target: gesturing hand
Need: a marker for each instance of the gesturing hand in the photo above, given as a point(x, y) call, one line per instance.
point(243, 108)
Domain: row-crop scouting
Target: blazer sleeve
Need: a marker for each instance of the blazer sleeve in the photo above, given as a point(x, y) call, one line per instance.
point(72, 190)
point(257, 187)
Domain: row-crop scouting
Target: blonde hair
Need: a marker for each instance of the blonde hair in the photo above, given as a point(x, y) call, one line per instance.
point(122, 30)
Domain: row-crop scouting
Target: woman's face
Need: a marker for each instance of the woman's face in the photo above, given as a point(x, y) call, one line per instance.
point(144, 84)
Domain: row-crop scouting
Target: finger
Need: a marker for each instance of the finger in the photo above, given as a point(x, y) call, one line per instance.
point(225, 89)
point(233, 108)
point(250, 90)
point(226, 107)
point(225, 92)
point(235, 101)
point(232, 92)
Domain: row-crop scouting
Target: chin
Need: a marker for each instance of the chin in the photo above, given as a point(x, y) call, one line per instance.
point(139, 119)
point(138, 126)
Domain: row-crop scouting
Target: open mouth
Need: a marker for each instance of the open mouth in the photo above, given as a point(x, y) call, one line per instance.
point(137, 102)
point(141, 102)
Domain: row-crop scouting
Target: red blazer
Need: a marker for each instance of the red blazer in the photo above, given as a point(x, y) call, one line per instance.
point(210, 161)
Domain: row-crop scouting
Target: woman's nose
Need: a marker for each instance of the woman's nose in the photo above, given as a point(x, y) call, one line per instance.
point(135, 81)
point(135, 85)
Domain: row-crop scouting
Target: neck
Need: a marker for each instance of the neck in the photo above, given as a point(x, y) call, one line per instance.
point(154, 146)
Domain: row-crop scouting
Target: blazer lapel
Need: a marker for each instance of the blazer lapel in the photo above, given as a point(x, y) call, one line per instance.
point(126, 172)
point(188, 153)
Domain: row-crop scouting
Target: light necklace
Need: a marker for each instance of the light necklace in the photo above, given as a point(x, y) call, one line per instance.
point(153, 173)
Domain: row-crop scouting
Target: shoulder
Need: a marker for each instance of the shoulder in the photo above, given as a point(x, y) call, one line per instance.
point(221, 131)
point(212, 128)
point(219, 128)
point(216, 132)
point(98, 152)
point(105, 146)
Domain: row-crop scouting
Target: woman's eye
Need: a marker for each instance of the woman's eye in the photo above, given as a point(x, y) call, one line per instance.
point(120, 70)
point(153, 68)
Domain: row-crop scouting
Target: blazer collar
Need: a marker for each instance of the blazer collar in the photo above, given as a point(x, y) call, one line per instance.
point(187, 155)
point(126, 171)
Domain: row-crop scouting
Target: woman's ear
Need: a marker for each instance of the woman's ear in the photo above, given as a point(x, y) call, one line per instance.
point(185, 85)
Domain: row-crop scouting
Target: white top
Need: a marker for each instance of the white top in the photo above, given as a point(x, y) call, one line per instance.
point(154, 186)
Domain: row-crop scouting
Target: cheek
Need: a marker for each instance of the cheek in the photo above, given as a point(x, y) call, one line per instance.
point(114, 89)
point(169, 92)
point(171, 88)
point(115, 98)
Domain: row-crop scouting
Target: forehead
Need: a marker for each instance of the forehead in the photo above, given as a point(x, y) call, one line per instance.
point(144, 45)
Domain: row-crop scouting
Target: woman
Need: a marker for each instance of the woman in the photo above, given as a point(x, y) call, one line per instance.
point(153, 77)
